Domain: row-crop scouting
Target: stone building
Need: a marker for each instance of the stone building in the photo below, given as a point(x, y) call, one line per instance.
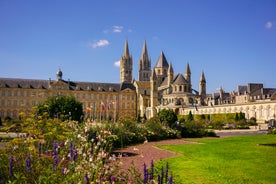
point(156, 88)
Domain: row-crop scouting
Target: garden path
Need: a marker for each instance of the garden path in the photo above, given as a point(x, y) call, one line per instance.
point(137, 155)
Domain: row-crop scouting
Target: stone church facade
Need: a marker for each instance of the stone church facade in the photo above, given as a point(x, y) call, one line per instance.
point(156, 88)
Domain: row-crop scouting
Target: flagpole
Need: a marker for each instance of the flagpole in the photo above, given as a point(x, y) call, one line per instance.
point(100, 112)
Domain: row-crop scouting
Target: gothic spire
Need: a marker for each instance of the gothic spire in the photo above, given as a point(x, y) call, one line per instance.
point(188, 71)
point(170, 70)
point(202, 77)
point(126, 51)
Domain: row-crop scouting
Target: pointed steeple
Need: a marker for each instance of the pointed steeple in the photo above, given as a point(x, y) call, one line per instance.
point(145, 51)
point(126, 50)
point(170, 73)
point(202, 77)
point(144, 65)
point(202, 86)
point(188, 71)
point(170, 70)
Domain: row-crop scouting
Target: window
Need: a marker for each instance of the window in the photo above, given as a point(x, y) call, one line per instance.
point(180, 88)
point(15, 93)
point(15, 103)
point(175, 88)
point(9, 103)
point(22, 93)
point(3, 93)
point(3, 103)
point(9, 93)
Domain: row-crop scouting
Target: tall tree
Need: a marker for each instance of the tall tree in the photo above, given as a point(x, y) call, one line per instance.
point(167, 117)
point(62, 107)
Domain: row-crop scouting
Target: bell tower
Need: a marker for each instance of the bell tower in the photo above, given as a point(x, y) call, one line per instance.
point(144, 65)
point(126, 65)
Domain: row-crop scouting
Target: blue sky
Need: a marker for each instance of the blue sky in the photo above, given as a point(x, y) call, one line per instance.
point(232, 41)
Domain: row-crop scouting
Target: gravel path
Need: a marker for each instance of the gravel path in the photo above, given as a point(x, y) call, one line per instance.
point(144, 153)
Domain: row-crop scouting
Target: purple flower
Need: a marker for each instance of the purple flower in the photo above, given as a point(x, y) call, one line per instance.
point(145, 174)
point(112, 178)
point(86, 178)
point(39, 149)
point(55, 147)
point(11, 166)
point(151, 170)
point(75, 154)
point(167, 172)
point(28, 163)
point(171, 179)
point(55, 159)
point(71, 150)
point(61, 144)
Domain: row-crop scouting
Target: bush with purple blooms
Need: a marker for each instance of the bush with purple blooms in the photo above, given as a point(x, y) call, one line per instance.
point(153, 175)
point(84, 157)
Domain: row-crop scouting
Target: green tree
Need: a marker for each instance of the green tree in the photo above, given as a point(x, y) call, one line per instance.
point(237, 117)
point(62, 107)
point(190, 116)
point(167, 117)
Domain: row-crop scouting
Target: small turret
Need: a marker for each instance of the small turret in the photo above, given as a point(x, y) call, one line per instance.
point(170, 74)
point(59, 74)
point(202, 86)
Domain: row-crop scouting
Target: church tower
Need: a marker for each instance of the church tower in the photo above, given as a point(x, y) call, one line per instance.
point(153, 93)
point(126, 65)
point(144, 65)
point(202, 86)
point(161, 68)
point(187, 76)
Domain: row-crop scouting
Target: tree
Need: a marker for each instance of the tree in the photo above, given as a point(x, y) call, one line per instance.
point(62, 107)
point(190, 116)
point(167, 117)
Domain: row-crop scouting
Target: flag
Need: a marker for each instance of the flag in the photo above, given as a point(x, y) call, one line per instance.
point(108, 105)
point(88, 109)
point(102, 106)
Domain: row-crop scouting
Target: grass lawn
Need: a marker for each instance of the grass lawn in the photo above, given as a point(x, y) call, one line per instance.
point(234, 160)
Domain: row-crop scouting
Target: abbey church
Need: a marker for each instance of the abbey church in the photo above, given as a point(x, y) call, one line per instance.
point(160, 87)
point(157, 87)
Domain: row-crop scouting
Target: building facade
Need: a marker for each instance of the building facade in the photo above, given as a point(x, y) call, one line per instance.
point(156, 88)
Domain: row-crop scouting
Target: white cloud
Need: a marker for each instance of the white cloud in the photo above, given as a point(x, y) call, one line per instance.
point(117, 29)
point(117, 63)
point(100, 43)
point(268, 25)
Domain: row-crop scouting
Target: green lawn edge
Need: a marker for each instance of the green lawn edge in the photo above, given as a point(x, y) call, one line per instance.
point(240, 159)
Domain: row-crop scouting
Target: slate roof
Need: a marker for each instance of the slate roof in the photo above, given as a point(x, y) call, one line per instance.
point(126, 85)
point(162, 61)
point(242, 89)
point(44, 84)
point(179, 79)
